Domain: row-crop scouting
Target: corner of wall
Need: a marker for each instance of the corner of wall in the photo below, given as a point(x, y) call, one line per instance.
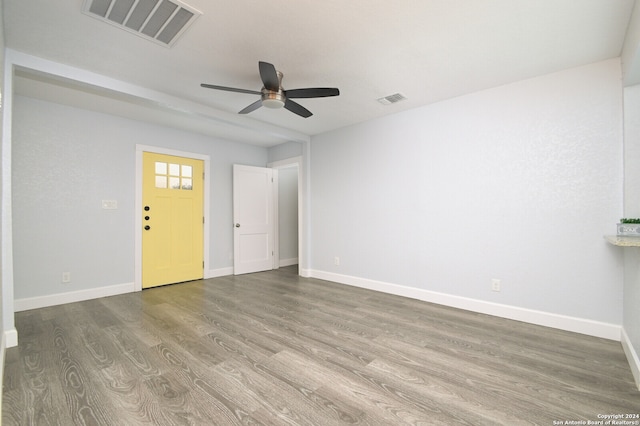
point(632, 357)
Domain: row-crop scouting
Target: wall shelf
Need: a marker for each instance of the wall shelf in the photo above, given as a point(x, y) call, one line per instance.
point(621, 241)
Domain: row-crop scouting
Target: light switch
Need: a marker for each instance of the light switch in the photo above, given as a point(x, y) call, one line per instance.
point(109, 204)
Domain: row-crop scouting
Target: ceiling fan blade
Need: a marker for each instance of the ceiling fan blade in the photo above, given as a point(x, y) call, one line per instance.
point(296, 108)
point(230, 89)
point(254, 106)
point(316, 92)
point(269, 76)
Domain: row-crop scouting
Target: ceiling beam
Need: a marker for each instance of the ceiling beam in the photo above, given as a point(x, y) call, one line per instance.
point(100, 85)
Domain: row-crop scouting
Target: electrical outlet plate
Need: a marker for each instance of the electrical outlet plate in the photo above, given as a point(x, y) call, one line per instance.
point(495, 284)
point(336, 261)
point(66, 277)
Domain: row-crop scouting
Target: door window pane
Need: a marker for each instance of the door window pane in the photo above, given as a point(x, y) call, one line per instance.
point(173, 176)
point(161, 168)
point(161, 181)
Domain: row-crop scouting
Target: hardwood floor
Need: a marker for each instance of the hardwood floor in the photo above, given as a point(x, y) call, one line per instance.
point(276, 349)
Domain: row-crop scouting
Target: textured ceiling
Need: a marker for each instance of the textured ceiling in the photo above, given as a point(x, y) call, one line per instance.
point(429, 50)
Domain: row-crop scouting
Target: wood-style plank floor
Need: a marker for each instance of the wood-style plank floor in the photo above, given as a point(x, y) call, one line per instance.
point(276, 349)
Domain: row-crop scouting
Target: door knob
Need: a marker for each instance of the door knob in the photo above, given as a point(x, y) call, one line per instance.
point(147, 208)
point(237, 225)
point(147, 218)
point(146, 228)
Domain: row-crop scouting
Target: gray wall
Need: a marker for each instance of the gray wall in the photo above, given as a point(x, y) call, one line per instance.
point(65, 161)
point(2, 287)
point(288, 212)
point(285, 151)
point(518, 183)
point(632, 209)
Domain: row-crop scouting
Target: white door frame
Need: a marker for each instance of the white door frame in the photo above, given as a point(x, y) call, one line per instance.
point(138, 206)
point(286, 163)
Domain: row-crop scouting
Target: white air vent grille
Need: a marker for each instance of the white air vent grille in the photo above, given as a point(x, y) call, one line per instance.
point(162, 21)
point(392, 99)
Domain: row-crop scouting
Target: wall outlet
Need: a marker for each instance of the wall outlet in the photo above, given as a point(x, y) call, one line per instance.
point(336, 261)
point(495, 284)
point(66, 277)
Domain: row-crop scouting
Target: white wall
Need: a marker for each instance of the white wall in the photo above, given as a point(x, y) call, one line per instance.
point(631, 50)
point(65, 161)
point(631, 320)
point(518, 183)
point(3, 343)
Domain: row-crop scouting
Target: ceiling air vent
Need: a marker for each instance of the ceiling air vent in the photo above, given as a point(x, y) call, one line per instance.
point(162, 21)
point(392, 99)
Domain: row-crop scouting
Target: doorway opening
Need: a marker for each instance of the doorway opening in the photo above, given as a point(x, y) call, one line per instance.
point(288, 235)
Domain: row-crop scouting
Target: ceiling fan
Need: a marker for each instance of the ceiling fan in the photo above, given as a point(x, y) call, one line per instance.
point(273, 95)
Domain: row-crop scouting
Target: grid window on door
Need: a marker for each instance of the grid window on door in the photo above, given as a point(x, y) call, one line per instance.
point(174, 176)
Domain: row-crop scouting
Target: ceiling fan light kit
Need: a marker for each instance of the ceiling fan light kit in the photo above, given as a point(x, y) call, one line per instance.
point(274, 96)
point(273, 101)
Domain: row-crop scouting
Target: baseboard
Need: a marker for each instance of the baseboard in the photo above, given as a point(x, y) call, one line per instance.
point(72, 296)
point(632, 357)
point(222, 272)
point(288, 262)
point(10, 338)
point(547, 319)
point(305, 273)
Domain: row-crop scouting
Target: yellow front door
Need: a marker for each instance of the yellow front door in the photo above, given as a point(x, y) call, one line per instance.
point(172, 219)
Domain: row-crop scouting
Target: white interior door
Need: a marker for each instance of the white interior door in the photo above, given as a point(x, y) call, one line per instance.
point(253, 219)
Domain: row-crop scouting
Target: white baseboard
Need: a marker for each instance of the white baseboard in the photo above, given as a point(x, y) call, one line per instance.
point(70, 297)
point(632, 357)
point(222, 272)
point(10, 338)
point(288, 262)
point(547, 319)
point(305, 273)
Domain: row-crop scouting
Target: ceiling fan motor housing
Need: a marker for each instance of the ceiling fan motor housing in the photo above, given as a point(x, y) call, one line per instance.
point(274, 98)
point(271, 99)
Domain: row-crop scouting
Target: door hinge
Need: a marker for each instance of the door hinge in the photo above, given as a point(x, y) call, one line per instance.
point(202, 219)
point(202, 175)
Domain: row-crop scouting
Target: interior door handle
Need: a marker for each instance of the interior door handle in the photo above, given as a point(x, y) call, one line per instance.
point(237, 225)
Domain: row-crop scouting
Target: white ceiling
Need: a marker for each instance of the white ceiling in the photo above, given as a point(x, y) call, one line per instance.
point(428, 50)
